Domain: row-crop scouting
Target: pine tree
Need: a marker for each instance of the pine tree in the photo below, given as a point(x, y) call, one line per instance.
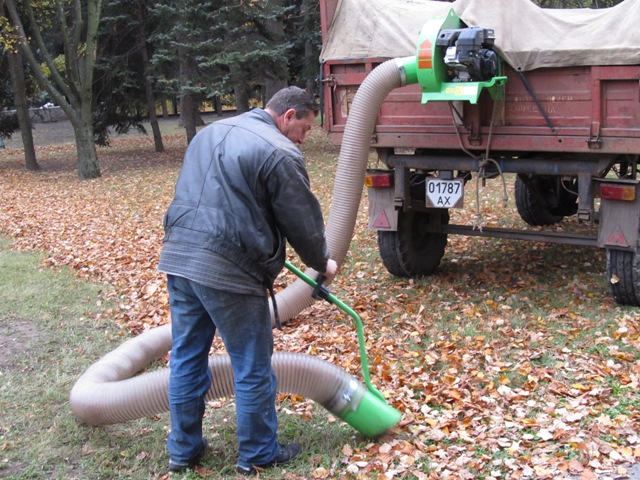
point(123, 92)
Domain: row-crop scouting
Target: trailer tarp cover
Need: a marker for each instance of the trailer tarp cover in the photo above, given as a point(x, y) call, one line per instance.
point(527, 36)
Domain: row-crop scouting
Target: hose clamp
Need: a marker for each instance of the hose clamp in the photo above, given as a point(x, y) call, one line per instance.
point(401, 71)
point(346, 399)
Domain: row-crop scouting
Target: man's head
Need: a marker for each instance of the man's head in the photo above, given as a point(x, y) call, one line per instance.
point(294, 111)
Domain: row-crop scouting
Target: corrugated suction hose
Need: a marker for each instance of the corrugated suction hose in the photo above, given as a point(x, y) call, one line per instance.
point(349, 178)
point(108, 392)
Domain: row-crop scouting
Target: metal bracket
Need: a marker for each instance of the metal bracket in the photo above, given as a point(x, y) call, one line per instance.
point(594, 141)
point(475, 139)
point(585, 199)
point(331, 80)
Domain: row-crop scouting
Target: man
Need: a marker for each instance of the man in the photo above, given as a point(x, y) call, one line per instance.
point(243, 191)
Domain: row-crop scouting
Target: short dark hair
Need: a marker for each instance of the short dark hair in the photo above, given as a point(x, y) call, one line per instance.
point(293, 97)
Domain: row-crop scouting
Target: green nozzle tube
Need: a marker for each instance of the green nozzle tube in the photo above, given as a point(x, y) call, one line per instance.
point(370, 415)
point(365, 409)
point(410, 67)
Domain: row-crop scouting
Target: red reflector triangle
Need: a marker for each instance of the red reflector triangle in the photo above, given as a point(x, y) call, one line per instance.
point(617, 238)
point(382, 221)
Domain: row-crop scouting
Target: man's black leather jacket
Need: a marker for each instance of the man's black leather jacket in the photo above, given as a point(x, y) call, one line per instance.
point(243, 191)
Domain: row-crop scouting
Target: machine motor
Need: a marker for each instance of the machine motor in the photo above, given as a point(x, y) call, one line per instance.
point(468, 53)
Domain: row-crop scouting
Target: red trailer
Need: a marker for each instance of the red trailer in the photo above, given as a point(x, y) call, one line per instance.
point(565, 119)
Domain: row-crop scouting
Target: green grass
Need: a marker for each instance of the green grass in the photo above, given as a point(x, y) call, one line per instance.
point(50, 335)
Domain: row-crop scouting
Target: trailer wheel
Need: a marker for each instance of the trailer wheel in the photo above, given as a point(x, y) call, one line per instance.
point(413, 250)
point(623, 276)
point(531, 201)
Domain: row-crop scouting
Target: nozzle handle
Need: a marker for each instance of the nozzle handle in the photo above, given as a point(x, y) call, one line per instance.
point(323, 292)
point(320, 291)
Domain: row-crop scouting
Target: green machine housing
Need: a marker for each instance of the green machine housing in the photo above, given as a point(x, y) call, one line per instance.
point(454, 62)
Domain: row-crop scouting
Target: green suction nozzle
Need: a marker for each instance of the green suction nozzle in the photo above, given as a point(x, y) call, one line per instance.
point(370, 415)
point(364, 408)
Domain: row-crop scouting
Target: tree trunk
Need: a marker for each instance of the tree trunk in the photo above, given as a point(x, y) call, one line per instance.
point(163, 106)
point(277, 77)
point(148, 88)
point(153, 118)
point(16, 69)
point(187, 99)
point(88, 165)
point(310, 51)
point(239, 89)
point(272, 83)
point(217, 105)
point(310, 59)
point(188, 115)
point(242, 97)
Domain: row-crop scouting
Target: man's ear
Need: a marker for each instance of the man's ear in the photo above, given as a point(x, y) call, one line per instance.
point(289, 114)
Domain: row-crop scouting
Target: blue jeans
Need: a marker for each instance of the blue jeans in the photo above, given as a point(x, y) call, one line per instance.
point(244, 324)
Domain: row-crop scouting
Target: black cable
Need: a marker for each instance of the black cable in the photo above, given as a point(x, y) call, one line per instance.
point(535, 99)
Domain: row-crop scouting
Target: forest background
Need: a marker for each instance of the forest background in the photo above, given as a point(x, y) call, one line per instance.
point(512, 362)
point(110, 65)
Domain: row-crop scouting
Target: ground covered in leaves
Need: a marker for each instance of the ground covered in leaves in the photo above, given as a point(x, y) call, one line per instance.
point(512, 362)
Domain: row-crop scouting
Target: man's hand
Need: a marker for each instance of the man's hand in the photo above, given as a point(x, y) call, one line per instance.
point(332, 269)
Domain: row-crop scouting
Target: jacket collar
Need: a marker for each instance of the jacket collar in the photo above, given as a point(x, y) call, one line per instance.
point(265, 116)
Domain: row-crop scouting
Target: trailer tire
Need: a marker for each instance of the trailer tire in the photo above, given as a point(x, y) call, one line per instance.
point(623, 276)
point(531, 209)
point(412, 250)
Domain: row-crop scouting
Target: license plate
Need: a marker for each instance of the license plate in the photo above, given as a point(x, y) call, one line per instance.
point(444, 193)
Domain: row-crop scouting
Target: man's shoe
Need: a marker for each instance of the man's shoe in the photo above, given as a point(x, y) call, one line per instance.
point(287, 453)
point(181, 467)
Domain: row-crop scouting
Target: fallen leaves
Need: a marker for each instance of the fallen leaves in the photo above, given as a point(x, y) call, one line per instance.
point(488, 362)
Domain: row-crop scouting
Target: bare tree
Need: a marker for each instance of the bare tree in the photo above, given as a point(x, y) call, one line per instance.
point(16, 71)
point(148, 88)
point(71, 87)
